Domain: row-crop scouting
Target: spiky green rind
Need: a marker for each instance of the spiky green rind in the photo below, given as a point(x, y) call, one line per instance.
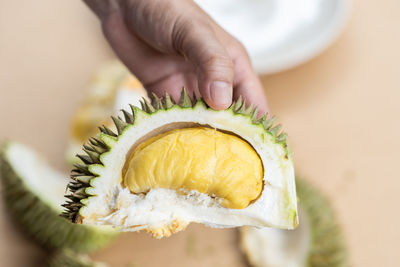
point(41, 221)
point(327, 246)
point(79, 188)
point(69, 258)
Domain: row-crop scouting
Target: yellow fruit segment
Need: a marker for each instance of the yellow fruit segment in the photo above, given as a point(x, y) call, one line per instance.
point(203, 159)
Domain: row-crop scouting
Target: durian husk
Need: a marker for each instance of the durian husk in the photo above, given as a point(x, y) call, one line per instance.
point(326, 242)
point(81, 174)
point(70, 258)
point(41, 221)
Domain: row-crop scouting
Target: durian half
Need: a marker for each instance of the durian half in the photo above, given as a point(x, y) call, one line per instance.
point(111, 89)
point(318, 241)
point(33, 193)
point(171, 164)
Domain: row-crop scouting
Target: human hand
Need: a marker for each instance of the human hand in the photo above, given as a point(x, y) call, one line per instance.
point(170, 44)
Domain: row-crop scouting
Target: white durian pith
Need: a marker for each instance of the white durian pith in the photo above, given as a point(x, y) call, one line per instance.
point(162, 211)
point(33, 193)
point(317, 241)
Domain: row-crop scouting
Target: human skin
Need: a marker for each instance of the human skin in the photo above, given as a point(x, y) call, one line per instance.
point(168, 44)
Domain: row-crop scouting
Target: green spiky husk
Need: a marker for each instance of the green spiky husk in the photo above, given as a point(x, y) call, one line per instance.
point(41, 221)
point(327, 246)
point(81, 175)
point(69, 258)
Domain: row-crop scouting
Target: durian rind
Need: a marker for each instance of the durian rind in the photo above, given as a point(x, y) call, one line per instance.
point(40, 218)
point(325, 245)
point(106, 156)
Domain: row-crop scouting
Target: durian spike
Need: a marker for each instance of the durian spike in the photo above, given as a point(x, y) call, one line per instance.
point(80, 168)
point(237, 104)
point(185, 100)
point(275, 130)
point(281, 138)
point(156, 102)
point(249, 110)
point(85, 159)
point(254, 115)
point(128, 116)
point(168, 101)
point(269, 122)
point(262, 119)
point(94, 156)
point(242, 108)
point(146, 106)
point(98, 143)
point(120, 124)
point(106, 130)
point(83, 179)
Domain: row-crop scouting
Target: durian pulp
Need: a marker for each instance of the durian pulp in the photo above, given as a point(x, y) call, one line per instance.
point(218, 164)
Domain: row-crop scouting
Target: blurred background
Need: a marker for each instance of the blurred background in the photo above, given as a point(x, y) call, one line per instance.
point(331, 75)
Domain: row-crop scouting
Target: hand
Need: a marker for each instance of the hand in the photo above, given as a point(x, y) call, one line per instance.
point(170, 44)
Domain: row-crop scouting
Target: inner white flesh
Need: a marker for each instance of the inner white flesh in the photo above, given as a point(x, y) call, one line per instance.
point(268, 247)
point(45, 182)
point(111, 204)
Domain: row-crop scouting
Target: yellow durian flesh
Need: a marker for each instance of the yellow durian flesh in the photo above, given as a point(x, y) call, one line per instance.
point(212, 162)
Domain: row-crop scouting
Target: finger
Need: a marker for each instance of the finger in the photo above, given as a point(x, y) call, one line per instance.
point(213, 64)
point(248, 85)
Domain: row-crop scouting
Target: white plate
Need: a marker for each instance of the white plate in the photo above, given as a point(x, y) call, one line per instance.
point(280, 34)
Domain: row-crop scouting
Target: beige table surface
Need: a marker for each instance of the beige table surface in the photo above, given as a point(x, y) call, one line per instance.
point(341, 110)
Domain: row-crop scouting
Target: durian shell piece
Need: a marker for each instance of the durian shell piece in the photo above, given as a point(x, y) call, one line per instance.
point(78, 188)
point(41, 221)
point(326, 242)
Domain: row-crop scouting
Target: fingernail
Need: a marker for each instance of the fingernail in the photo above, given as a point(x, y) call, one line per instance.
point(221, 93)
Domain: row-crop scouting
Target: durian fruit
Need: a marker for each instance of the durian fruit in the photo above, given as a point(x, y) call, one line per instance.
point(33, 193)
point(317, 242)
point(111, 89)
point(70, 258)
point(171, 164)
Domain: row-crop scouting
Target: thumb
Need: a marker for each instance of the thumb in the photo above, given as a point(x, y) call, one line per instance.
point(213, 64)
